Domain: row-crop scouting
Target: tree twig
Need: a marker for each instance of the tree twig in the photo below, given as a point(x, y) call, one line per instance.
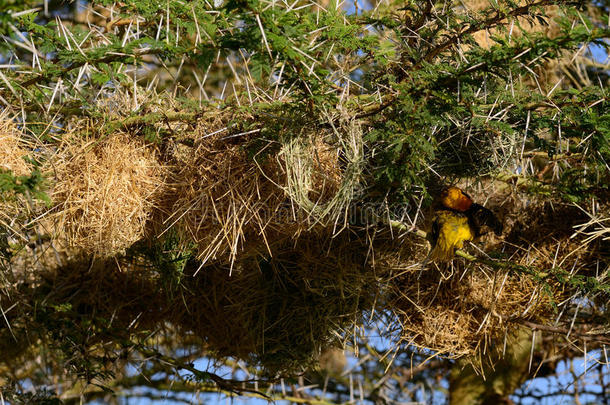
point(598, 337)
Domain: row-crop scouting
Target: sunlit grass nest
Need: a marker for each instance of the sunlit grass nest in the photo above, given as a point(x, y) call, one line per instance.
point(281, 311)
point(13, 153)
point(12, 148)
point(231, 198)
point(104, 191)
point(221, 200)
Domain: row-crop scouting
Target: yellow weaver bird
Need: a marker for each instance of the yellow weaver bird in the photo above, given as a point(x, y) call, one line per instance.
point(458, 220)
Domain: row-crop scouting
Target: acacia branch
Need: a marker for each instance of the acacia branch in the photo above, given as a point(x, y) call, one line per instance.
point(113, 57)
point(486, 24)
point(597, 337)
point(167, 384)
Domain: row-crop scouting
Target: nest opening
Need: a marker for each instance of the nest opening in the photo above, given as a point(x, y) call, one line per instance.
point(232, 200)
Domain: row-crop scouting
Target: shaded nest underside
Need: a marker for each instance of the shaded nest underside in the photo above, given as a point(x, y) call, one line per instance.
point(281, 311)
point(277, 312)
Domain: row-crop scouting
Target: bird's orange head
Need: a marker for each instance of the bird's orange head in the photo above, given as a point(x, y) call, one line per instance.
point(455, 199)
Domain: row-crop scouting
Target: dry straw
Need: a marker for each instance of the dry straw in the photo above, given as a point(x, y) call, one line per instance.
point(232, 199)
point(13, 151)
point(104, 191)
point(278, 277)
point(457, 315)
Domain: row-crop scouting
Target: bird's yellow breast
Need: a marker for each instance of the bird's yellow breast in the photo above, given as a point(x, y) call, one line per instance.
point(450, 230)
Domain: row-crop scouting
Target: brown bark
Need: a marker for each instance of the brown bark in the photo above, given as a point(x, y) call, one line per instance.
point(496, 376)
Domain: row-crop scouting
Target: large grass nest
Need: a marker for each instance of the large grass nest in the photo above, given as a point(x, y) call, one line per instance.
point(104, 191)
point(460, 308)
point(270, 284)
point(278, 275)
point(232, 198)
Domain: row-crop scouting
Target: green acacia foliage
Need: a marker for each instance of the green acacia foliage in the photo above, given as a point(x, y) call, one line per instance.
point(418, 78)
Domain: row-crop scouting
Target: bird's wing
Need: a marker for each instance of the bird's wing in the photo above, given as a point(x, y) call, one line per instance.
point(436, 229)
point(481, 217)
